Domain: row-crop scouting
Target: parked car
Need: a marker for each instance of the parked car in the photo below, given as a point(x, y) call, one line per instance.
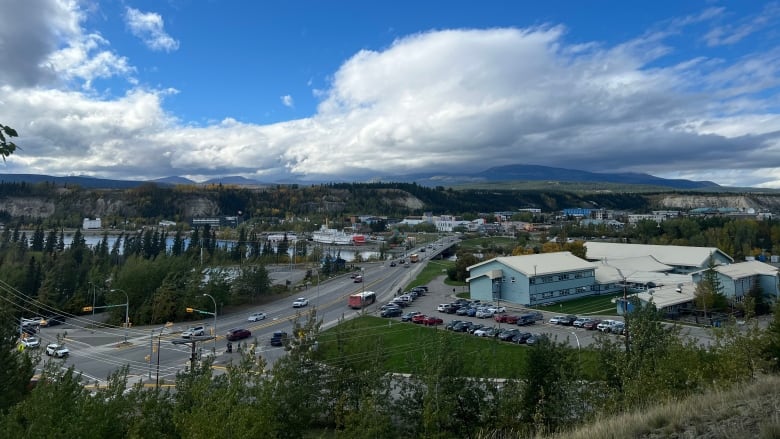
point(605, 325)
point(535, 338)
point(57, 350)
point(472, 312)
point(507, 334)
point(432, 321)
point(511, 319)
point(194, 331)
point(442, 307)
point(581, 321)
point(408, 316)
point(591, 324)
point(31, 342)
point(475, 327)
point(391, 312)
point(300, 302)
point(618, 328)
point(497, 309)
point(451, 324)
point(462, 327)
point(418, 318)
point(238, 334)
point(526, 319)
point(486, 332)
point(500, 318)
point(254, 317)
point(521, 337)
point(484, 313)
point(278, 338)
point(568, 320)
point(556, 320)
point(422, 287)
point(400, 303)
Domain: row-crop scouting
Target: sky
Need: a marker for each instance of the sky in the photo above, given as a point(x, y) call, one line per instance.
point(350, 90)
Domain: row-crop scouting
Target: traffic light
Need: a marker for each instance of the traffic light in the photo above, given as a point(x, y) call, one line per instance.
point(86, 308)
point(190, 310)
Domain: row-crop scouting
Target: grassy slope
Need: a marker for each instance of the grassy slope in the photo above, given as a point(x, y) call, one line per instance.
point(746, 411)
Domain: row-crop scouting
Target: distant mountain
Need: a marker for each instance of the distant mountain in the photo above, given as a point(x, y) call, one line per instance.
point(519, 172)
point(508, 173)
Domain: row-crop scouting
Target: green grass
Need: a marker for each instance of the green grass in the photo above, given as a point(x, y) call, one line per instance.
point(593, 305)
point(477, 244)
point(407, 347)
point(431, 271)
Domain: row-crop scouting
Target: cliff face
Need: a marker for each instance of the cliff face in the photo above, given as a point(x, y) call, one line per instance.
point(759, 202)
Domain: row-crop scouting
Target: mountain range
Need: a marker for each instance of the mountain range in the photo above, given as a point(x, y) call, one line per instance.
point(507, 173)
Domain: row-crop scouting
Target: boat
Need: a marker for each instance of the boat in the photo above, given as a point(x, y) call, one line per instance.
point(337, 237)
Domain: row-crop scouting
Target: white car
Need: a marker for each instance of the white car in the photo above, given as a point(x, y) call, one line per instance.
point(484, 313)
point(557, 320)
point(194, 332)
point(606, 325)
point(497, 309)
point(300, 302)
point(256, 317)
point(31, 342)
point(57, 350)
point(581, 321)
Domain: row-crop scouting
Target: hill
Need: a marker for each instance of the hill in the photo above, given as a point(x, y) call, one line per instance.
point(746, 411)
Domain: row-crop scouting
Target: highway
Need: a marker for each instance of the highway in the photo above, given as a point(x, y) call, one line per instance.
point(96, 353)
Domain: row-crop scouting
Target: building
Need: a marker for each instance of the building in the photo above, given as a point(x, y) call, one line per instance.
point(92, 224)
point(532, 279)
point(739, 279)
point(683, 260)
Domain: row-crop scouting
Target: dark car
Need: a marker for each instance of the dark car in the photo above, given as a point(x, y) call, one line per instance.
point(507, 335)
point(461, 327)
point(569, 320)
point(535, 339)
point(238, 334)
point(393, 264)
point(391, 312)
point(451, 324)
point(472, 312)
point(521, 337)
point(474, 327)
point(53, 320)
point(278, 338)
point(591, 324)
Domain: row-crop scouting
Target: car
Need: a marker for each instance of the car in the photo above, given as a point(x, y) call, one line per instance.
point(300, 302)
point(462, 327)
point(605, 325)
point(497, 309)
point(194, 331)
point(31, 342)
point(485, 332)
point(423, 288)
point(388, 306)
point(507, 334)
point(238, 334)
point(568, 320)
point(408, 316)
point(418, 318)
point(278, 338)
point(526, 319)
point(354, 275)
point(581, 321)
point(472, 312)
point(402, 261)
point(358, 279)
point(511, 319)
point(442, 307)
point(254, 317)
point(618, 328)
point(432, 321)
point(391, 312)
point(451, 324)
point(556, 320)
point(57, 350)
point(462, 311)
point(393, 264)
point(400, 303)
point(535, 339)
point(521, 337)
point(475, 327)
point(53, 320)
point(484, 313)
point(591, 324)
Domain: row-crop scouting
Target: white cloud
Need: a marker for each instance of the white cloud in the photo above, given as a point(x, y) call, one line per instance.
point(439, 101)
point(150, 28)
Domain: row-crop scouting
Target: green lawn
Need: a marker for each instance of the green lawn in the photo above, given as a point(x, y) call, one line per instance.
point(593, 305)
point(408, 347)
point(477, 244)
point(431, 271)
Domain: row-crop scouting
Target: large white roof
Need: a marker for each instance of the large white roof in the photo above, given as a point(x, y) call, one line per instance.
point(543, 263)
point(669, 296)
point(674, 255)
point(746, 269)
point(607, 273)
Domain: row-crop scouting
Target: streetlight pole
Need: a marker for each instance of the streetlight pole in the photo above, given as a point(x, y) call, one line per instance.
point(579, 348)
point(127, 309)
point(215, 320)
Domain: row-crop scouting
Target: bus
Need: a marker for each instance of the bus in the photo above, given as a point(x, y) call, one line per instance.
point(414, 258)
point(359, 300)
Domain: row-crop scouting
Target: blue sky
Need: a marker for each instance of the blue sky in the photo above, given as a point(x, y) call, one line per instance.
point(355, 90)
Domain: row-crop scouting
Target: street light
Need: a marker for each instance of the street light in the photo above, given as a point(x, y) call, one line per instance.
point(215, 320)
point(579, 348)
point(127, 309)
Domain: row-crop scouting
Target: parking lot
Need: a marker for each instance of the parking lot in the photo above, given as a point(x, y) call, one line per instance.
point(440, 293)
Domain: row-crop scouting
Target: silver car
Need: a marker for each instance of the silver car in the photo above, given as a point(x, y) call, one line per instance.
point(256, 317)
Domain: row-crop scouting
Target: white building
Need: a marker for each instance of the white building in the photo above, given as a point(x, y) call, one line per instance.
point(682, 259)
point(92, 224)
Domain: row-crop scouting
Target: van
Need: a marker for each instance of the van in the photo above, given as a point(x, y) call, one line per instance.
point(278, 338)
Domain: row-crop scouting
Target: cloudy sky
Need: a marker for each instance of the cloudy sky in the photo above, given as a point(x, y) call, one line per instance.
point(354, 90)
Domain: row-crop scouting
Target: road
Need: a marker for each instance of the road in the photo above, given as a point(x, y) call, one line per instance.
point(96, 353)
